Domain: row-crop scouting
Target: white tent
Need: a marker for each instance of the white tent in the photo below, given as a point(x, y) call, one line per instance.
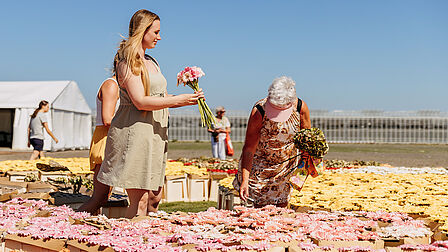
point(69, 117)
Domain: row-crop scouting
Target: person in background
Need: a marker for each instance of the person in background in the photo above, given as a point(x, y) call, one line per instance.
point(137, 142)
point(36, 130)
point(107, 102)
point(266, 164)
point(219, 132)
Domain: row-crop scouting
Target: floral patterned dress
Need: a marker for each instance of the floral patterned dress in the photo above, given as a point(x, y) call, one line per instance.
point(274, 161)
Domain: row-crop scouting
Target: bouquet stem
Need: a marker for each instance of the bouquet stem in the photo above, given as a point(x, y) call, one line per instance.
point(207, 117)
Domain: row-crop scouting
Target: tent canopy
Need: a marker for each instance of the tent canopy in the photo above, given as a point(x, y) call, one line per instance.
point(69, 117)
point(62, 95)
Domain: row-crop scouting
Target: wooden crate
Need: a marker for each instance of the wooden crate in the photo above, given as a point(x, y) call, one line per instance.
point(407, 240)
point(297, 249)
point(13, 185)
point(39, 187)
point(44, 176)
point(19, 176)
point(213, 184)
point(378, 244)
point(114, 212)
point(175, 189)
point(197, 187)
point(71, 200)
point(15, 242)
point(76, 246)
point(116, 206)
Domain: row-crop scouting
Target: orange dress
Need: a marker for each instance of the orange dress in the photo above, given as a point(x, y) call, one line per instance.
point(273, 162)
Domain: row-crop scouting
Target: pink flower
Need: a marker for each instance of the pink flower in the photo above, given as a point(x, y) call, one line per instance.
point(189, 74)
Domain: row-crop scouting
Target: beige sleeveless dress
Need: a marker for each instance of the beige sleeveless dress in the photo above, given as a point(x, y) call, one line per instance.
point(269, 176)
point(136, 148)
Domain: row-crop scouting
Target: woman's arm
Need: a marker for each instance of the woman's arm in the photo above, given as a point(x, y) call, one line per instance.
point(226, 128)
point(136, 91)
point(171, 95)
point(109, 97)
point(49, 132)
point(250, 145)
point(305, 121)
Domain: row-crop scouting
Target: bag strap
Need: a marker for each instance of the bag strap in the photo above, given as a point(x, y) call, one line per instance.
point(299, 105)
point(152, 59)
point(260, 109)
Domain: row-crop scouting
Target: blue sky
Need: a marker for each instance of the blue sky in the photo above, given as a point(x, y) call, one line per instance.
point(343, 55)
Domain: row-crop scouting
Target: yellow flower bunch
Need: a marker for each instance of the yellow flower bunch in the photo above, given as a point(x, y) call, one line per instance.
point(178, 168)
point(75, 165)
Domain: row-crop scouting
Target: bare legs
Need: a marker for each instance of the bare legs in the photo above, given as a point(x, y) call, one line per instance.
point(101, 193)
point(142, 201)
point(154, 198)
point(37, 154)
point(34, 155)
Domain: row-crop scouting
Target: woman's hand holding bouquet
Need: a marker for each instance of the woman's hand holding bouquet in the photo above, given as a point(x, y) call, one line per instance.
point(313, 145)
point(190, 77)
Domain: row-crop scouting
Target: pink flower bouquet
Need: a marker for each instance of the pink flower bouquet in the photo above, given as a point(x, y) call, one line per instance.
point(190, 77)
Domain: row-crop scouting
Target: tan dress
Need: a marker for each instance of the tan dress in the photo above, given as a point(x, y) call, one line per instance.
point(269, 176)
point(136, 148)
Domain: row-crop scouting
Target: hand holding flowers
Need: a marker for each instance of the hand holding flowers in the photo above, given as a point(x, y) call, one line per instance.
point(313, 145)
point(190, 77)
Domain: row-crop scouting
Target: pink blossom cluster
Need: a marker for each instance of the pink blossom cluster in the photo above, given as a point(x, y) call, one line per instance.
point(189, 74)
point(212, 229)
point(436, 246)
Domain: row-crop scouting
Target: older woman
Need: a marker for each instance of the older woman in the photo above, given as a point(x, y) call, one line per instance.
point(266, 164)
point(219, 132)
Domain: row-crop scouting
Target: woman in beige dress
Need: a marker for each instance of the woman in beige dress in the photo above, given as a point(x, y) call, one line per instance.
point(269, 156)
point(136, 148)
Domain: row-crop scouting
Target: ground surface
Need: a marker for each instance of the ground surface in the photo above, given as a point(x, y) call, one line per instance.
point(410, 155)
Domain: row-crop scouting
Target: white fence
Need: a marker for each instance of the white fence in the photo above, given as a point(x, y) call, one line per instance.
point(429, 127)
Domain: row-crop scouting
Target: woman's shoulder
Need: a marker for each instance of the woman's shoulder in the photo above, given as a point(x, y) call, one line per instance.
point(109, 87)
point(42, 116)
point(149, 57)
point(260, 102)
point(109, 82)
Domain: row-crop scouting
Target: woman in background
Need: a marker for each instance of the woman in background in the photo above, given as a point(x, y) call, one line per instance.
point(219, 132)
point(136, 148)
point(107, 102)
point(36, 130)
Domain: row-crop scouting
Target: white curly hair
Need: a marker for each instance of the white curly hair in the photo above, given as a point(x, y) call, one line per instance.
point(282, 91)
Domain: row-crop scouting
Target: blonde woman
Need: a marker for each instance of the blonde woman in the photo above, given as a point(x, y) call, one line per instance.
point(107, 102)
point(36, 128)
point(136, 148)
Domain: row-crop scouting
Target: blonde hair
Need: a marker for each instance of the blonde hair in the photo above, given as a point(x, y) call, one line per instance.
point(128, 50)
